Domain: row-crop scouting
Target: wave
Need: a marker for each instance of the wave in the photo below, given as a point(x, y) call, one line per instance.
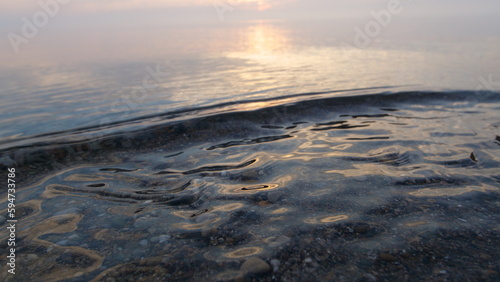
point(232, 118)
point(385, 179)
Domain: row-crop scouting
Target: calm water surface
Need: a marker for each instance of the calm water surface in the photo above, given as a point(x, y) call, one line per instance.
point(79, 77)
point(174, 153)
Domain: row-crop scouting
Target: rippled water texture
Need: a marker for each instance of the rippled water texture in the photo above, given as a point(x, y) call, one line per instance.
point(76, 79)
point(375, 186)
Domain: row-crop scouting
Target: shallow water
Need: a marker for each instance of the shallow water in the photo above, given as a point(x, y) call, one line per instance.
point(374, 185)
point(159, 150)
point(69, 79)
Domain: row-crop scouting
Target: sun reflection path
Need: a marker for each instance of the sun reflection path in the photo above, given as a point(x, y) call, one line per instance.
point(265, 39)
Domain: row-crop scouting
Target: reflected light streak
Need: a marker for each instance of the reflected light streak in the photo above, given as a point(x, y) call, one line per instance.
point(264, 39)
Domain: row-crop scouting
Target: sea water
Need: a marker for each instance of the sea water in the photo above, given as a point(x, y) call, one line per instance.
point(187, 151)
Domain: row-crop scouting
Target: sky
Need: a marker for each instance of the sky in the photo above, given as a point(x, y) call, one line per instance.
point(84, 21)
point(123, 13)
point(140, 12)
point(292, 7)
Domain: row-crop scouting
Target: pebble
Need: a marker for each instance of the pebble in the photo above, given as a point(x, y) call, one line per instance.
point(163, 238)
point(32, 257)
point(321, 242)
point(249, 175)
point(303, 228)
point(7, 161)
point(154, 239)
point(119, 257)
point(264, 203)
point(387, 257)
point(67, 258)
point(74, 237)
point(370, 277)
point(274, 196)
point(2, 219)
point(280, 241)
point(143, 242)
point(276, 265)
point(144, 222)
point(136, 253)
point(252, 215)
point(62, 243)
point(255, 265)
point(360, 178)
